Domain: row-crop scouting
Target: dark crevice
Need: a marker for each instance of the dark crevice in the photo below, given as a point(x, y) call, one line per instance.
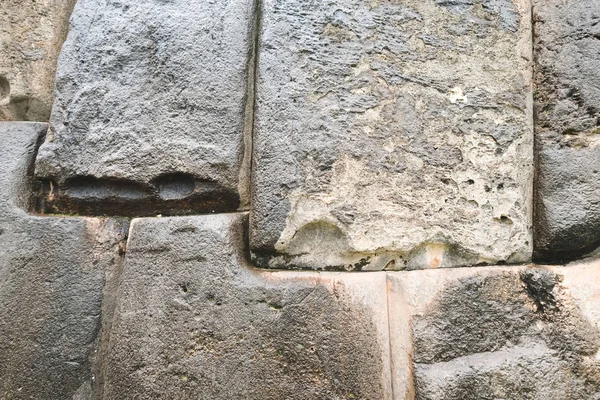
point(113, 277)
point(247, 164)
point(167, 194)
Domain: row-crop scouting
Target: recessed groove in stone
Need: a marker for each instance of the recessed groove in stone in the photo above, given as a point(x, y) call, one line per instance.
point(169, 194)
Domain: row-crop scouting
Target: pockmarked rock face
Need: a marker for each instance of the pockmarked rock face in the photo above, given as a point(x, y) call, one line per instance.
point(194, 321)
point(31, 34)
point(567, 55)
point(392, 134)
point(52, 278)
point(567, 104)
point(527, 333)
point(150, 108)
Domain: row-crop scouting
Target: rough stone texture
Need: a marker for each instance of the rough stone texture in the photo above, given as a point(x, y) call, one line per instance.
point(567, 55)
point(52, 275)
point(567, 104)
point(150, 104)
point(194, 321)
point(392, 134)
point(497, 333)
point(31, 34)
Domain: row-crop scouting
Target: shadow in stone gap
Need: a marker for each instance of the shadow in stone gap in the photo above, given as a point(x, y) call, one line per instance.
point(168, 194)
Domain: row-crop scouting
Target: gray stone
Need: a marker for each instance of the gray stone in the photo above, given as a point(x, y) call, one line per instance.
point(567, 104)
point(497, 333)
point(53, 274)
point(567, 202)
point(150, 108)
point(392, 134)
point(514, 373)
point(567, 54)
point(31, 34)
point(194, 321)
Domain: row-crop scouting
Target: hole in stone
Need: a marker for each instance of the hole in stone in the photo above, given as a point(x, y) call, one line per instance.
point(4, 90)
point(174, 186)
point(471, 182)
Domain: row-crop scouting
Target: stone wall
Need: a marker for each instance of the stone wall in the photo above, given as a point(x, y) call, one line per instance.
point(284, 199)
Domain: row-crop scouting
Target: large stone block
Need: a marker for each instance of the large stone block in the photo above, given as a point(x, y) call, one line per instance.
point(567, 108)
point(392, 134)
point(497, 333)
point(31, 34)
point(150, 108)
point(193, 320)
point(52, 278)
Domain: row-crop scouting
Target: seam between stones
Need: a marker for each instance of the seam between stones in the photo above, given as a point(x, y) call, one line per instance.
point(389, 327)
point(108, 308)
point(246, 169)
point(536, 169)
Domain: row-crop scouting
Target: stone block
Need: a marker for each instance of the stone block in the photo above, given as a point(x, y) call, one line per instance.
point(567, 106)
point(496, 333)
point(392, 134)
point(31, 34)
point(567, 223)
point(52, 279)
point(193, 320)
point(150, 109)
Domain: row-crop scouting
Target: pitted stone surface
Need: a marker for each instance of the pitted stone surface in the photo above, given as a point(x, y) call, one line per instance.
point(509, 333)
point(150, 94)
point(567, 54)
point(392, 135)
point(567, 49)
point(194, 321)
point(52, 276)
point(31, 34)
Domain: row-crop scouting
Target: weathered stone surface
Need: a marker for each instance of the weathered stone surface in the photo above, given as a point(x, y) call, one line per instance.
point(567, 220)
point(392, 134)
point(31, 34)
point(567, 55)
point(509, 333)
point(194, 321)
point(52, 275)
point(150, 108)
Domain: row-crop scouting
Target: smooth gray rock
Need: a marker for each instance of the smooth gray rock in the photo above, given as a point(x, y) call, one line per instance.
point(515, 373)
point(567, 104)
point(52, 274)
point(567, 202)
point(31, 34)
point(498, 333)
point(392, 134)
point(150, 105)
point(194, 321)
